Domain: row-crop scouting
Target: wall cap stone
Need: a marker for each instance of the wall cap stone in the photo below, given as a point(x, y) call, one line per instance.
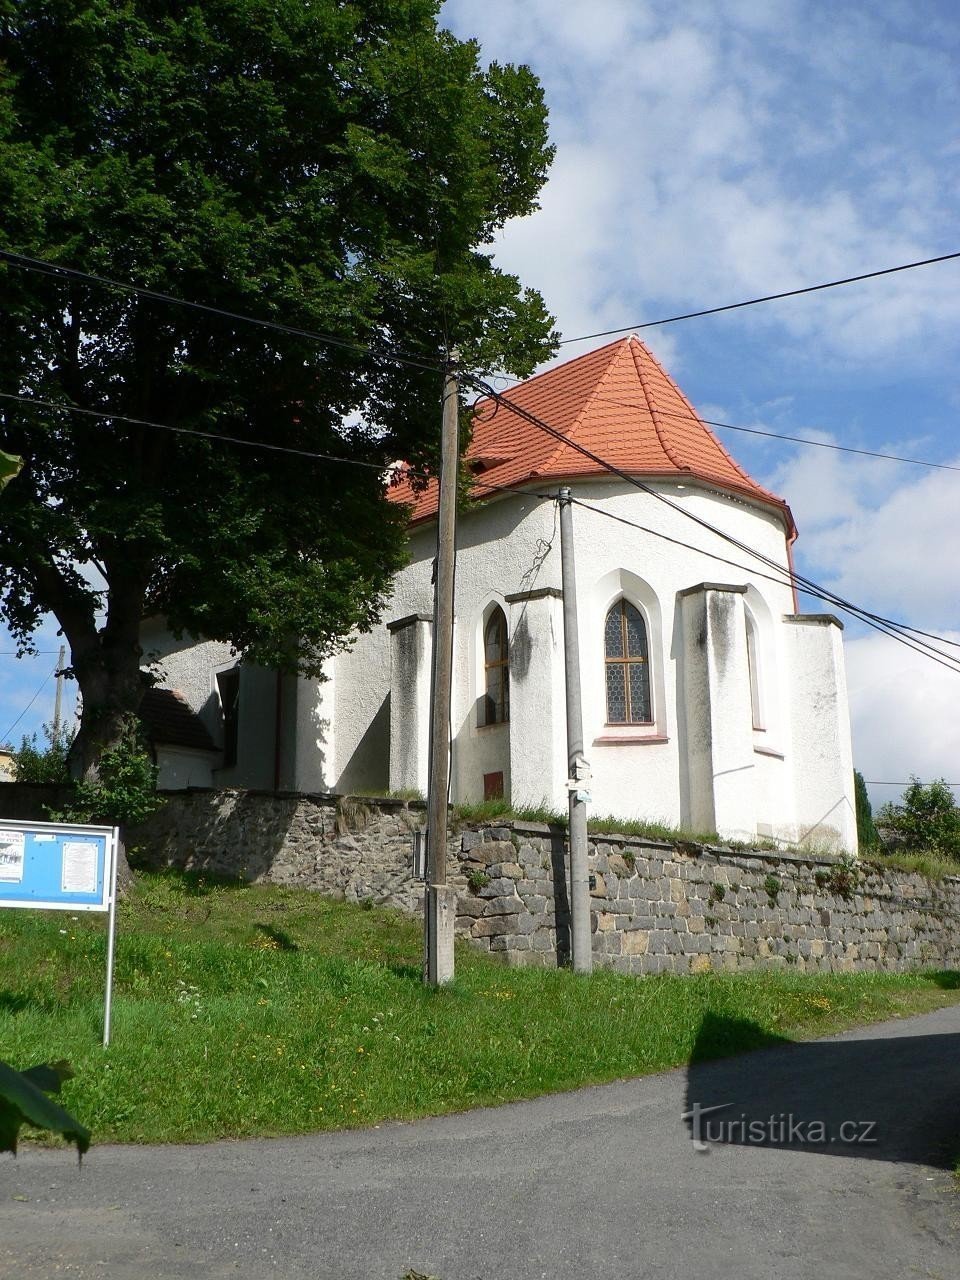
point(408, 620)
point(712, 586)
point(814, 619)
point(540, 593)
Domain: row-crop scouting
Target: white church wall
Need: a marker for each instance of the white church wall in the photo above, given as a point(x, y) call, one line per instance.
point(191, 666)
point(821, 750)
point(411, 659)
point(538, 727)
point(510, 547)
point(179, 767)
point(315, 733)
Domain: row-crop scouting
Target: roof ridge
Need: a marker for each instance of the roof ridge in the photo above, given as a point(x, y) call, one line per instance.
point(649, 397)
point(700, 422)
point(588, 398)
point(544, 373)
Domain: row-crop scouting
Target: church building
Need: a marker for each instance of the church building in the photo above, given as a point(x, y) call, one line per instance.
point(709, 702)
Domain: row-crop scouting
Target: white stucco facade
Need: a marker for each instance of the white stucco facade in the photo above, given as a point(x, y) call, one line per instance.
point(701, 764)
point(747, 729)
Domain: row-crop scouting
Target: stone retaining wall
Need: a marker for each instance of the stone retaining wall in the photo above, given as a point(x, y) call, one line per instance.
point(663, 908)
point(656, 907)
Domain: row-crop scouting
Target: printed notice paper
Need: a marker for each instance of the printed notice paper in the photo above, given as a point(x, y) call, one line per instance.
point(11, 856)
point(79, 867)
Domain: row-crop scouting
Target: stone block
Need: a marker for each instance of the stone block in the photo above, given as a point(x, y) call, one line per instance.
point(496, 887)
point(506, 904)
point(635, 942)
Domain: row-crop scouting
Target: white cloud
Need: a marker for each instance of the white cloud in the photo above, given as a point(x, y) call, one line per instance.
point(880, 533)
point(904, 715)
point(708, 153)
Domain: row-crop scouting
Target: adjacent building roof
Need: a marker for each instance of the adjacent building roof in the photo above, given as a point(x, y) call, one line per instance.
point(170, 721)
point(620, 404)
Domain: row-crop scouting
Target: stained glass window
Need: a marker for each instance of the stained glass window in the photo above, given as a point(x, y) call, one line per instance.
point(627, 666)
point(496, 670)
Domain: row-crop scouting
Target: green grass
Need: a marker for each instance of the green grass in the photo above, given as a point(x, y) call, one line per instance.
point(600, 824)
point(932, 865)
point(243, 1010)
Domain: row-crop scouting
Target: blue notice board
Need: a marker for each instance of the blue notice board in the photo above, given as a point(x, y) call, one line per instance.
point(47, 865)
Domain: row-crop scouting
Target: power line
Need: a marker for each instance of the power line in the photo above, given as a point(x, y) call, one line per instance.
point(774, 435)
point(806, 584)
point(6, 736)
point(885, 626)
point(823, 444)
point(190, 431)
point(786, 579)
point(768, 297)
point(401, 471)
point(909, 784)
point(26, 263)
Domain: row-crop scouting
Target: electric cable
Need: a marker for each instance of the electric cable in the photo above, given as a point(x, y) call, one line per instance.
point(6, 736)
point(885, 626)
point(55, 270)
point(767, 297)
point(773, 435)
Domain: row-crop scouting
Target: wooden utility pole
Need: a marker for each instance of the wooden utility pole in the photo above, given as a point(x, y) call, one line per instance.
point(58, 697)
point(440, 899)
point(578, 771)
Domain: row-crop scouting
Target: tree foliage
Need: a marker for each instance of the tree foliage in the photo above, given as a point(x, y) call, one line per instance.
point(927, 819)
point(338, 167)
point(125, 788)
point(44, 763)
point(866, 830)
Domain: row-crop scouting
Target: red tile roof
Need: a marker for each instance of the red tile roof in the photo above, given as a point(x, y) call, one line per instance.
point(619, 403)
point(170, 721)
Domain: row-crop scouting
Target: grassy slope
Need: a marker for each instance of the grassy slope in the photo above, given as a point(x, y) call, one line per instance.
point(245, 1010)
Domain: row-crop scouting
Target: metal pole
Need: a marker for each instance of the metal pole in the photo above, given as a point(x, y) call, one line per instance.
point(440, 900)
point(578, 771)
point(111, 932)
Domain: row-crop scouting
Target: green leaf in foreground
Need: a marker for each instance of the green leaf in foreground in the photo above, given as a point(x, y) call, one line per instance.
point(23, 1100)
point(9, 467)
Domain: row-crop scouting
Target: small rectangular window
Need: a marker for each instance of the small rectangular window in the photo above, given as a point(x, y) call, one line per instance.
point(493, 786)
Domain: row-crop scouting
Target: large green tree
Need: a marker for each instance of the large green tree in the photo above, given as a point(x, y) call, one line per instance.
point(339, 167)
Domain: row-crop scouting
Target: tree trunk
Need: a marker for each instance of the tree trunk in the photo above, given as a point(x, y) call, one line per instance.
point(106, 665)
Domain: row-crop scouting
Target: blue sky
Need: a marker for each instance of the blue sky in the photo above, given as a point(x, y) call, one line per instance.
point(709, 152)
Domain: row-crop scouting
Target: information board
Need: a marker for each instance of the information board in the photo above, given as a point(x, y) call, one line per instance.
point(55, 866)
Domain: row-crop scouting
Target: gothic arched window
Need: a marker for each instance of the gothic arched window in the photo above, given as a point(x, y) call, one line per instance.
point(753, 671)
point(496, 669)
point(627, 666)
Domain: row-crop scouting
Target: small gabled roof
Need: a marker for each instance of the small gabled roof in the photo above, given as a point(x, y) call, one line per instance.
point(620, 404)
point(169, 721)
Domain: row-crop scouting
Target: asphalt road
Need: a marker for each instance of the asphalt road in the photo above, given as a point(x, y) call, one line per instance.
point(606, 1181)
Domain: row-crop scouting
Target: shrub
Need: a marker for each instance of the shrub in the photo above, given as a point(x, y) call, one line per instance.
point(34, 762)
point(125, 790)
point(926, 819)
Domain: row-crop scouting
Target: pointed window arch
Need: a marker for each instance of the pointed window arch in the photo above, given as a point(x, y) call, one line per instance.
point(496, 669)
point(753, 670)
point(627, 665)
